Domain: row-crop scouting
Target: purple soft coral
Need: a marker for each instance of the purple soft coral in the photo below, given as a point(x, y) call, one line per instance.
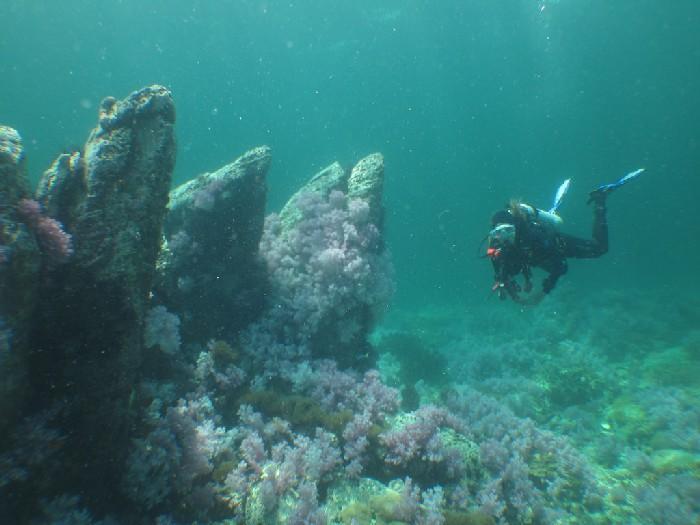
point(53, 240)
point(327, 272)
point(419, 437)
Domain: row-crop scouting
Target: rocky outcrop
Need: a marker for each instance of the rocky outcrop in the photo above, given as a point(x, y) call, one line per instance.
point(112, 197)
point(209, 271)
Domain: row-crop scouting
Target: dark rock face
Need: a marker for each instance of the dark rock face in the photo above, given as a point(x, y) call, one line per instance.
point(88, 331)
point(209, 270)
point(63, 187)
point(128, 160)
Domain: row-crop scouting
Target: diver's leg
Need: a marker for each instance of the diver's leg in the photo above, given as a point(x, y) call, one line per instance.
point(598, 198)
point(600, 226)
point(589, 248)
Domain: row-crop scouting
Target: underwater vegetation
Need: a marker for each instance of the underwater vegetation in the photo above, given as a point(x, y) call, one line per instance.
point(175, 356)
point(635, 413)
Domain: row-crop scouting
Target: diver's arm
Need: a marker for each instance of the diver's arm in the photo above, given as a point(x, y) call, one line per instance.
point(556, 266)
point(550, 282)
point(533, 298)
point(507, 288)
point(498, 281)
point(504, 284)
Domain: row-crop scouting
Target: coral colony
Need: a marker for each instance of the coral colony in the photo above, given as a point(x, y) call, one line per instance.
point(177, 357)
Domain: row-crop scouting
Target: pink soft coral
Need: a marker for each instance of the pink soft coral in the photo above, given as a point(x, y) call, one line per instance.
point(53, 240)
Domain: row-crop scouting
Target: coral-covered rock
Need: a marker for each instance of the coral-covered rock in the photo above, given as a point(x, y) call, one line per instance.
point(108, 271)
point(329, 272)
point(366, 182)
point(331, 178)
point(209, 270)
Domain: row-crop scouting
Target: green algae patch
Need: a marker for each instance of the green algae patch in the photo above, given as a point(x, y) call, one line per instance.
point(223, 353)
point(576, 384)
point(299, 410)
point(355, 513)
point(629, 420)
point(674, 461)
point(386, 504)
point(672, 367)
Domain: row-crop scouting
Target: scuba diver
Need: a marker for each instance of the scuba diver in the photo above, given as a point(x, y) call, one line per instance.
point(524, 237)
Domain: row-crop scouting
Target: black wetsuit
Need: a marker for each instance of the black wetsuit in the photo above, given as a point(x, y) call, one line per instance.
point(540, 245)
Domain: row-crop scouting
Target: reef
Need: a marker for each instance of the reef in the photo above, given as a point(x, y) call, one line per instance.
point(105, 274)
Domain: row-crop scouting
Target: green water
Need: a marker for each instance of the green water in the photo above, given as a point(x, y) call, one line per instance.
point(470, 102)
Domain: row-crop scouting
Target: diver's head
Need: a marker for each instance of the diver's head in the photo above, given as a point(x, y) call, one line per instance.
point(501, 237)
point(514, 212)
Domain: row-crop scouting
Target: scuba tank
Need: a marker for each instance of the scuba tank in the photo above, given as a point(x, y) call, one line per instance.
point(550, 217)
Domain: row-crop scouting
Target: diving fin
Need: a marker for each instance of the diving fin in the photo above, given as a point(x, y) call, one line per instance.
point(560, 195)
point(601, 192)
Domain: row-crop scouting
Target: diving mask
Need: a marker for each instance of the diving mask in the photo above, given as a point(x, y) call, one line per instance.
point(502, 235)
